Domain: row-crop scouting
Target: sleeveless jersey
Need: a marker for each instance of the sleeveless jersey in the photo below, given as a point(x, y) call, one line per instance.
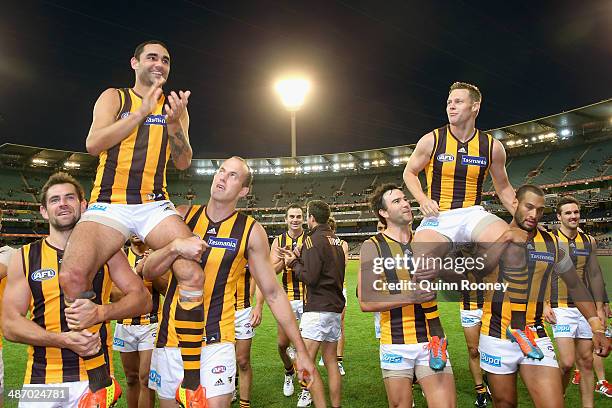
point(579, 250)
point(223, 264)
point(457, 170)
point(134, 171)
point(47, 365)
point(408, 324)
point(294, 289)
point(243, 290)
point(522, 304)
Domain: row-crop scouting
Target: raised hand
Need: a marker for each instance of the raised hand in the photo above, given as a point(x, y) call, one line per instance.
point(176, 106)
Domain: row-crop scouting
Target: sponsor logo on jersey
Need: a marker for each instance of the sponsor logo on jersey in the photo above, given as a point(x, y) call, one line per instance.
point(212, 231)
point(391, 358)
point(489, 359)
point(541, 257)
point(462, 150)
point(218, 369)
point(445, 157)
point(474, 161)
point(155, 120)
point(582, 252)
point(42, 275)
point(118, 342)
point(223, 243)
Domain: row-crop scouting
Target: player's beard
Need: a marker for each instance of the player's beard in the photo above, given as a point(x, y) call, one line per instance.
point(65, 226)
point(520, 222)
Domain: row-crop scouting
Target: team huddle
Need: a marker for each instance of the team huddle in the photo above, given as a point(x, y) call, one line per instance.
point(188, 290)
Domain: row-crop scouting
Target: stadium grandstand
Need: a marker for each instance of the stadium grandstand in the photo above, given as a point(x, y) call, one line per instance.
point(566, 153)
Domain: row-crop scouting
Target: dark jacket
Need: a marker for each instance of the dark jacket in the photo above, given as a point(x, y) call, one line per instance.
point(321, 268)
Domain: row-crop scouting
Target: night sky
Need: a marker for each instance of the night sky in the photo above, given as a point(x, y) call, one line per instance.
point(380, 69)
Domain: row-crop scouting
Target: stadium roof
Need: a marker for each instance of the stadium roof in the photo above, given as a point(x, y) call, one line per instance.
point(581, 122)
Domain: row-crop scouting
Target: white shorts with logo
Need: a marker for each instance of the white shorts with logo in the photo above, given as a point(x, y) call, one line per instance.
point(471, 318)
point(73, 391)
point(298, 308)
point(500, 356)
point(129, 338)
point(242, 322)
point(217, 370)
point(321, 326)
point(401, 357)
point(458, 224)
point(571, 323)
point(139, 219)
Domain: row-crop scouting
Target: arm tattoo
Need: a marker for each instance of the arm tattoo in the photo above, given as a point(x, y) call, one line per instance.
point(178, 144)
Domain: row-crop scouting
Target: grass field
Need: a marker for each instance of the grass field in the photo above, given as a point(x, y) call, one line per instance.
point(362, 385)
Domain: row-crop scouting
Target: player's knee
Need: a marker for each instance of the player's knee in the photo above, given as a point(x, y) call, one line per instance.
point(244, 363)
point(143, 378)
point(566, 363)
point(132, 379)
point(474, 353)
point(585, 362)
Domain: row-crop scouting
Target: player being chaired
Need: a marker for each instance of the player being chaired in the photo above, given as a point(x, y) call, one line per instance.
point(134, 132)
point(456, 159)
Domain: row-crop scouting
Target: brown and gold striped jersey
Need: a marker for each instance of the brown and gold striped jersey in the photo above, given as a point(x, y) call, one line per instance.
point(294, 289)
point(134, 171)
point(457, 170)
point(409, 324)
point(580, 249)
point(153, 315)
point(224, 264)
point(522, 303)
point(48, 365)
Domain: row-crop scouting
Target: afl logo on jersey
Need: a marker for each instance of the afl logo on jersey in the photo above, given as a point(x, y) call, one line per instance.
point(445, 157)
point(43, 274)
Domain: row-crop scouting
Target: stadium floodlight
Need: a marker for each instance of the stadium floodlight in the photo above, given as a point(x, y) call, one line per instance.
point(565, 132)
point(366, 164)
point(336, 166)
point(39, 161)
point(293, 93)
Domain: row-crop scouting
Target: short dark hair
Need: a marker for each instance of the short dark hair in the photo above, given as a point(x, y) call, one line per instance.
point(319, 210)
point(332, 223)
point(60, 178)
point(140, 47)
point(568, 199)
point(376, 200)
point(472, 89)
point(294, 205)
point(532, 188)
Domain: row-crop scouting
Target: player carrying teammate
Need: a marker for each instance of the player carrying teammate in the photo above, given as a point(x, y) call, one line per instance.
point(34, 309)
point(135, 131)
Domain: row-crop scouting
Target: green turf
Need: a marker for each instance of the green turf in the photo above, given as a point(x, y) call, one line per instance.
point(362, 385)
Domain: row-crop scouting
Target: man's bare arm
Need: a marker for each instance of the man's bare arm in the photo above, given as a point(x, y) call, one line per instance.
point(417, 162)
point(502, 185)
